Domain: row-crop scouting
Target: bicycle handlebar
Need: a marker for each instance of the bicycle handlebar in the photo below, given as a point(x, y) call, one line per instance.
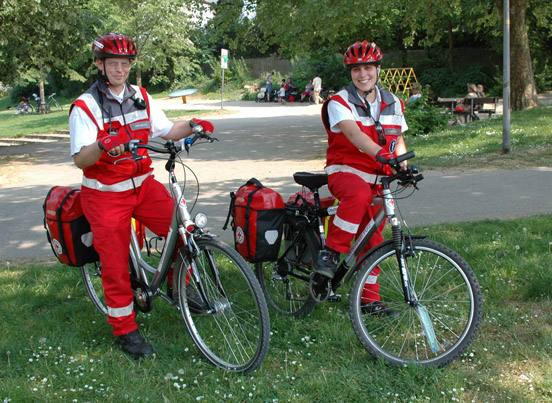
point(406, 177)
point(395, 162)
point(170, 146)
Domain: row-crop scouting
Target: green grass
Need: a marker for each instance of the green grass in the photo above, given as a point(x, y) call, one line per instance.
point(479, 144)
point(54, 346)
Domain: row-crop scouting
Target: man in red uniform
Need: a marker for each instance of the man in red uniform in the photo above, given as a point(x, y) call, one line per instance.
point(114, 188)
point(364, 125)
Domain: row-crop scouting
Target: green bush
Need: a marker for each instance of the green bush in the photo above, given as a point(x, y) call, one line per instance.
point(236, 76)
point(543, 78)
point(423, 118)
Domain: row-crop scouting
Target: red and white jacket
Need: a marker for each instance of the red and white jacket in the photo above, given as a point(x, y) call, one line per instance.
point(126, 121)
point(342, 155)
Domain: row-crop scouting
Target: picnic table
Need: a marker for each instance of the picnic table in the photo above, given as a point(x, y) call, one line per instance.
point(478, 105)
point(183, 94)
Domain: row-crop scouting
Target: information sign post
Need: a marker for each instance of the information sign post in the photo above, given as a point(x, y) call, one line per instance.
point(224, 65)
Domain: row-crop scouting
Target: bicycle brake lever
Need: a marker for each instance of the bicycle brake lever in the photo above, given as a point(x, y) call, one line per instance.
point(137, 158)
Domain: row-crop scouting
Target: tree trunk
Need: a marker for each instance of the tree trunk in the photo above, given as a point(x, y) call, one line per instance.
point(41, 82)
point(138, 75)
point(524, 93)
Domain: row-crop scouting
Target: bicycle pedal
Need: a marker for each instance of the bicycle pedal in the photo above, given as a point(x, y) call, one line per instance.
point(320, 288)
point(334, 297)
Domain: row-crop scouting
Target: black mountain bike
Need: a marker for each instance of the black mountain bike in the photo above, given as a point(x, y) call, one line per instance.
point(432, 299)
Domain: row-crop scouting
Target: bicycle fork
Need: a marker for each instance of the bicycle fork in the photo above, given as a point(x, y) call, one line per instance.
point(403, 249)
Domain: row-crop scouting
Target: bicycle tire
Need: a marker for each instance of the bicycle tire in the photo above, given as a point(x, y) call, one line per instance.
point(92, 277)
point(446, 287)
point(285, 283)
point(235, 334)
point(58, 106)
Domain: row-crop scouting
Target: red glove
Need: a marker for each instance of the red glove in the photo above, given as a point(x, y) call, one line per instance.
point(207, 126)
point(384, 156)
point(108, 143)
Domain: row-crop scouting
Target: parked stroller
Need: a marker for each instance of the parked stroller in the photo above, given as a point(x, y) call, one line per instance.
point(262, 95)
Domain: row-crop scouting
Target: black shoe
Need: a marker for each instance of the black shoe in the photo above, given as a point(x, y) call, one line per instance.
point(134, 345)
point(326, 264)
point(378, 308)
point(195, 302)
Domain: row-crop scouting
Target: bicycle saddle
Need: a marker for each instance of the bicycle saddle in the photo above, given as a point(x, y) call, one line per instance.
point(310, 180)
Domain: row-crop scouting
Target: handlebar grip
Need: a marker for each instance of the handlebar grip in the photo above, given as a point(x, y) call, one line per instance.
point(405, 156)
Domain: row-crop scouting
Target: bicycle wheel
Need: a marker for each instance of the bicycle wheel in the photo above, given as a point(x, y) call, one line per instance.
point(234, 332)
point(443, 324)
point(92, 277)
point(57, 105)
point(285, 282)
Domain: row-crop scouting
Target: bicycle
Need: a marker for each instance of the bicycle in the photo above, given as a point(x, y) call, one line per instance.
point(433, 305)
point(52, 102)
point(232, 331)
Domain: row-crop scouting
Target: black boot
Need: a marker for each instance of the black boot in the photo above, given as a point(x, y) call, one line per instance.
point(134, 345)
point(326, 264)
point(378, 308)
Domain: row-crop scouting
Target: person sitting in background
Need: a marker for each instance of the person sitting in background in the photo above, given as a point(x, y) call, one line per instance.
point(464, 106)
point(416, 93)
point(290, 87)
point(308, 91)
point(480, 91)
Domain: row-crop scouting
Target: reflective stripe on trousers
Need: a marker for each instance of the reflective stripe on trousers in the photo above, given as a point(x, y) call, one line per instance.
point(118, 187)
point(120, 312)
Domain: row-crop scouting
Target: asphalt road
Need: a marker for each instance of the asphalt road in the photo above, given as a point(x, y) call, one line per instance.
point(269, 142)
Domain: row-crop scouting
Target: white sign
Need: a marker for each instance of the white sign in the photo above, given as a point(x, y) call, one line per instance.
point(224, 58)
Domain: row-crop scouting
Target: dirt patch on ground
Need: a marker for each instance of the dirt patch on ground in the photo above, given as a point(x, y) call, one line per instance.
point(13, 167)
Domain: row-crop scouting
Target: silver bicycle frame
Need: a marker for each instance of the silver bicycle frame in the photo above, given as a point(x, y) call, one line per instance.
point(177, 228)
point(387, 211)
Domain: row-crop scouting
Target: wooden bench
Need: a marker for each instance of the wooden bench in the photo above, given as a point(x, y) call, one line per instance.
point(484, 105)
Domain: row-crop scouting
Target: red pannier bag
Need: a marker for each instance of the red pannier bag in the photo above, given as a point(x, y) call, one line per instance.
point(257, 221)
point(67, 229)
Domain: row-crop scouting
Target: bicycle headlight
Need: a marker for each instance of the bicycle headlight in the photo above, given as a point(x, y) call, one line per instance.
point(200, 220)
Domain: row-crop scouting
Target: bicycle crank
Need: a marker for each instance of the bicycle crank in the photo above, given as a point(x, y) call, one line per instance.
point(320, 287)
point(143, 297)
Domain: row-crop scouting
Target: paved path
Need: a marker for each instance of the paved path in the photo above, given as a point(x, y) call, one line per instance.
point(269, 142)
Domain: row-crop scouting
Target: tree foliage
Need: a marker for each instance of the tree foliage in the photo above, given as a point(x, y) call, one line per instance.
point(161, 30)
point(38, 38)
point(51, 39)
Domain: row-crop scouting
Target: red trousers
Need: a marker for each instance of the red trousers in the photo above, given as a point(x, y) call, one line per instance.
point(353, 214)
point(110, 215)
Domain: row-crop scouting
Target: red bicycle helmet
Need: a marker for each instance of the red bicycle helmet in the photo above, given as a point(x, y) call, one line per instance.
point(362, 53)
point(114, 45)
